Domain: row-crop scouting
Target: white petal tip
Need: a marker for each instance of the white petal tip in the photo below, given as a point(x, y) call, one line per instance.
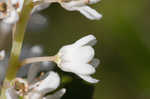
point(94, 1)
point(88, 79)
point(87, 40)
point(97, 17)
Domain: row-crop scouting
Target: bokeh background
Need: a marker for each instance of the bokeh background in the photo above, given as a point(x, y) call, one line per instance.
point(123, 46)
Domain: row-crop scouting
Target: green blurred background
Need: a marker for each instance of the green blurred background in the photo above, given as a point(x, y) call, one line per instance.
point(123, 47)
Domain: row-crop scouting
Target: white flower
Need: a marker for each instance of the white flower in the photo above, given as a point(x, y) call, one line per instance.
point(76, 58)
point(80, 5)
point(2, 54)
point(49, 84)
point(11, 94)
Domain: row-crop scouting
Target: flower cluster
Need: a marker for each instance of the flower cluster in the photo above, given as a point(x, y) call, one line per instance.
point(36, 79)
point(77, 58)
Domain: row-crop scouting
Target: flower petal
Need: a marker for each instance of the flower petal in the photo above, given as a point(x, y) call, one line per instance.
point(94, 1)
point(87, 40)
point(89, 13)
point(78, 68)
point(83, 55)
point(56, 95)
point(88, 78)
point(72, 4)
point(49, 84)
point(72, 54)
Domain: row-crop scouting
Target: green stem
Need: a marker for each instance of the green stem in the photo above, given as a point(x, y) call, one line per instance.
point(18, 38)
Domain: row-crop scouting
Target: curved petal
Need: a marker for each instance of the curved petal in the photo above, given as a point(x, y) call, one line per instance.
point(70, 5)
point(49, 84)
point(87, 40)
point(88, 78)
point(83, 55)
point(94, 1)
point(89, 13)
point(78, 68)
point(56, 95)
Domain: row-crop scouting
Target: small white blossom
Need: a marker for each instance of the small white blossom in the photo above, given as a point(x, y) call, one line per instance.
point(76, 58)
point(49, 84)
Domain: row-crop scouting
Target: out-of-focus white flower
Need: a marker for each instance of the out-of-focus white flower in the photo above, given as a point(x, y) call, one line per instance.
point(2, 54)
point(80, 5)
point(76, 58)
point(17, 4)
point(8, 12)
point(11, 94)
point(37, 49)
point(12, 17)
point(49, 84)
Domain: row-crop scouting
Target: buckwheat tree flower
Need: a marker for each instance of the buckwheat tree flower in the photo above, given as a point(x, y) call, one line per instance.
point(77, 58)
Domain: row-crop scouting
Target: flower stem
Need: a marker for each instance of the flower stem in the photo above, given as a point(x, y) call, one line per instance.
point(37, 59)
point(18, 37)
